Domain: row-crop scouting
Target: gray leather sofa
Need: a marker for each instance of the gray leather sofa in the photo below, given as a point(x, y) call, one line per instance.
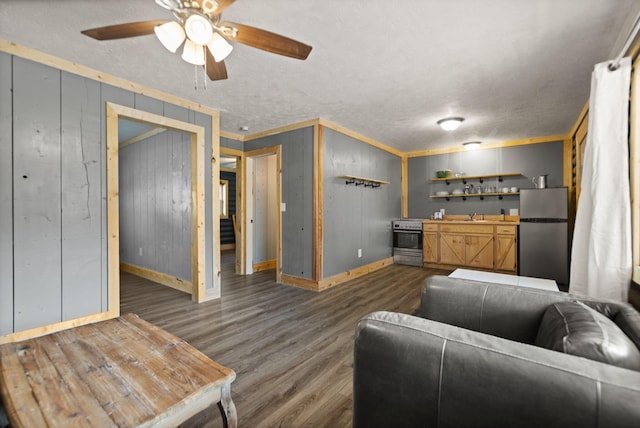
point(469, 360)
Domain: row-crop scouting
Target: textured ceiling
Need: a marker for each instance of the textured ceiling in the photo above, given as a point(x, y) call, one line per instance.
point(386, 70)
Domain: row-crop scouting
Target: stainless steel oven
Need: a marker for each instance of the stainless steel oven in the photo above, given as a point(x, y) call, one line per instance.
point(407, 241)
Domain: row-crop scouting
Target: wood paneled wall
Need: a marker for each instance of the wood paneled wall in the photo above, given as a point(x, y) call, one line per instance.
point(156, 205)
point(54, 265)
point(297, 193)
point(530, 160)
point(357, 217)
point(57, 269)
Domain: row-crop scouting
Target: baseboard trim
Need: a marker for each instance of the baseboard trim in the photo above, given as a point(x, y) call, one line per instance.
point(332, 281)
point(260, 266)
point(55, 327)
point(296, 281)
point(159, 277)
point(325, 284)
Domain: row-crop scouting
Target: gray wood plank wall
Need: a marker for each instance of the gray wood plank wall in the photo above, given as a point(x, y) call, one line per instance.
point(53, 224)
point(6, 197)
point(81, 198)
point(155, 204)
point(297, 193)
point(356, 217)
point(530, 160)
point(37, 194)
point(265, 207)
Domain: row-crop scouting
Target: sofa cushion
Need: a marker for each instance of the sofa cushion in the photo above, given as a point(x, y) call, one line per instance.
point(574, 328)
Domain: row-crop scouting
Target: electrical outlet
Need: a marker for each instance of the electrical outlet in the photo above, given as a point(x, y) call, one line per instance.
point(359, 252)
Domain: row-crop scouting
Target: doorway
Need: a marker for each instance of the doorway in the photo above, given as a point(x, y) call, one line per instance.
point(262, 225)
point(195, 136)
point(230, 197)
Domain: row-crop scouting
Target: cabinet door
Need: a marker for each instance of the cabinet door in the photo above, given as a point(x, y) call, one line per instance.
point(479, 251)
point(430, 247)
point(452, 248)
point(506, 253)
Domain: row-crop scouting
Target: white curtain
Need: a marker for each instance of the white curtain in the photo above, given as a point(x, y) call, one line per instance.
point(601, 260)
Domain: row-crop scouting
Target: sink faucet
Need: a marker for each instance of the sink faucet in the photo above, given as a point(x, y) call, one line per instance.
point(471, 216)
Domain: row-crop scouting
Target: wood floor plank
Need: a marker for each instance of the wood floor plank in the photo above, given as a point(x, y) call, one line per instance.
point(292, 349)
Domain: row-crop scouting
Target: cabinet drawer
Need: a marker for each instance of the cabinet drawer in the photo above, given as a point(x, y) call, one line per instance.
point(506, 230)
point(466, 228)
point(429, 227)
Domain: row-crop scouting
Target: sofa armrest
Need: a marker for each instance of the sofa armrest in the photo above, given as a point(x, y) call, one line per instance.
point(508, 311)
point(410, 371)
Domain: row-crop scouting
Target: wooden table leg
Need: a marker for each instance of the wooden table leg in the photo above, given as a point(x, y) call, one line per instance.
point(228, 408)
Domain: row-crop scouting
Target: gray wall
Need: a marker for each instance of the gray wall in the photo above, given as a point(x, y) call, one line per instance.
point(156, 205)
point(265, 207)
point(356, 217)
point(530, 160)
point(297, 193)
point(53, 255)
point(231, 144)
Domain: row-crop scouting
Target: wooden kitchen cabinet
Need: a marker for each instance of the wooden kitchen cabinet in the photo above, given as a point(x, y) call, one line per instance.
point(430, 243)
point(474, 245)
point(479, 251)
point(506, 251)
point(467, 245)
point(452, 248)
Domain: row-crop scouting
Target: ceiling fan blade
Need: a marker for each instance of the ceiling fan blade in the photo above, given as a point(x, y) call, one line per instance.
point(215, 70)
point(268, 41)
point(121, 31)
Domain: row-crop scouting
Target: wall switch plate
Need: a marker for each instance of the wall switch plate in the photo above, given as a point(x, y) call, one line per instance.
point(140, 251)
point(359, 252)
point(283, 207)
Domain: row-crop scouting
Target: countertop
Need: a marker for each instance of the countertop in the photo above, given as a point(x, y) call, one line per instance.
point(488, 220)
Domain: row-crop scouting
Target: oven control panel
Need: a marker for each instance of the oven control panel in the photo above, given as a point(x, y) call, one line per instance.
point(407, 224)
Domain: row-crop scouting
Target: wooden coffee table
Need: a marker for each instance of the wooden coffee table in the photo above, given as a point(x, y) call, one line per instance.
point(121, 372)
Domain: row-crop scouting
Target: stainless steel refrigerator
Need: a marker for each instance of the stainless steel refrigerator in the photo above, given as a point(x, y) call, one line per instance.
point(543, 246)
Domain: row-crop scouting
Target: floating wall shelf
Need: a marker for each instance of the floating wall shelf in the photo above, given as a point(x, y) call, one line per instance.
point(480, 178)
point(361, 181)
point(475, 195)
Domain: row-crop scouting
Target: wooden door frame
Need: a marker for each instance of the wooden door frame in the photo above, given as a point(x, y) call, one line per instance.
point(239, 265)
point(248, 246)
point(115, 112)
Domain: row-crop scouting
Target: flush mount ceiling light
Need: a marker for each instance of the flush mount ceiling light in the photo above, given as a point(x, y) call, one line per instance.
point(205, 37)
point(450, 123)
point(471, 145)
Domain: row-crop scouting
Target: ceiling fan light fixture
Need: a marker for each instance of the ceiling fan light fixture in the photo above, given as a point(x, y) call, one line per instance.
point(193, 53)
point(450, 123)
point(219, 47)
point(198, 29)
point(471, 145)
point(171, 35)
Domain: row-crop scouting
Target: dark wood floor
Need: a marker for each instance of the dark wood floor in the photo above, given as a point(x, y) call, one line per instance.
point(291, 348)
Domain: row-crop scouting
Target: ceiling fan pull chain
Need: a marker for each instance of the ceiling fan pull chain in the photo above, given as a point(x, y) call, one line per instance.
point(204, 72)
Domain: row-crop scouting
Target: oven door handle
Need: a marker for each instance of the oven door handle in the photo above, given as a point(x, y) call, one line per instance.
point(407, 231)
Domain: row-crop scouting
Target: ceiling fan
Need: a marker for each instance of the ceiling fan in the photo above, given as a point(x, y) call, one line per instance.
point(204, 36)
